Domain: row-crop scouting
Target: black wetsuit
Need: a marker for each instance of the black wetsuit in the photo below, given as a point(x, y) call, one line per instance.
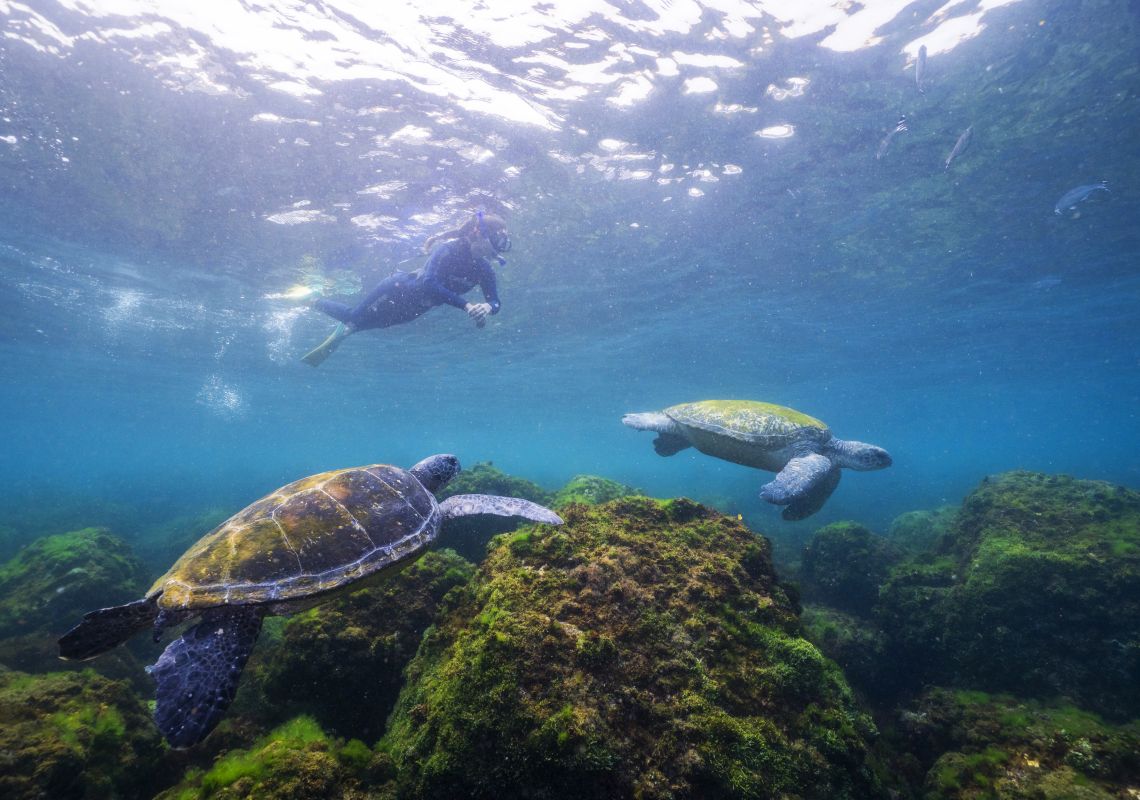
point(450, 271)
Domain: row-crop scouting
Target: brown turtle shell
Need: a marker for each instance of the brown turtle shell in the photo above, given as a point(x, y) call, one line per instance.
point(312, 536)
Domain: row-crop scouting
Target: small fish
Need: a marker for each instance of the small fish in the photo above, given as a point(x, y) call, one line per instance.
point(1070, 198)
point(960, 146)
point(1048, 282)
point(883, 145)
point(920, 70)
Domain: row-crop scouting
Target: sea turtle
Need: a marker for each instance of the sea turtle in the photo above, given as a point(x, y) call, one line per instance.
point(799, 448)
point(287, 552)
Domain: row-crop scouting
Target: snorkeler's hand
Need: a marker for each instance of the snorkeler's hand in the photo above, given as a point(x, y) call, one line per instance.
point(478, 311)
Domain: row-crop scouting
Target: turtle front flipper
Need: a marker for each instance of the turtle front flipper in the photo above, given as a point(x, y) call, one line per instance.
point(466, 505)
point(106, 628)
point(198, 673)
point(669, 440)
point(813, 499)
point(798, 479)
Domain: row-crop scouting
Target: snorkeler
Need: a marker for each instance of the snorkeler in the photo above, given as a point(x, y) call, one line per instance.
point(458, 261)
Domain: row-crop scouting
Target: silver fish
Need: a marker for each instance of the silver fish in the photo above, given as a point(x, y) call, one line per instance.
point(1070, 198)
point(920, 70)
point(883, 145)
point(960, 146)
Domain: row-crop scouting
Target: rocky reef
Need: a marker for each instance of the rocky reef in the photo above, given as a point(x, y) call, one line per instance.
point(343, 662)
point(592, 490)
point(53, 581)
point(75, 735)
point(969, 744)
point(843, 566)
point(1034, 590)
point(644, 649)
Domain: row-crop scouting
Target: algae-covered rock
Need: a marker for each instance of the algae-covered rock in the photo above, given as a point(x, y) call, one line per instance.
point(343, 662)
point(592, 490)
point(971, 744)
point(843, 566)
point(468, 536)
point(74, 735)
point(1036, 590)
point(643, 649)
point(52, 582)
point(296, 761)
point(916, 531)
point(856, 645)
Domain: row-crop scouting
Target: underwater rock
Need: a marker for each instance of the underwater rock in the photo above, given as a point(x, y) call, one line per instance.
point(916, 531)
point(74, 735)
point(343, 662)
point(856, 645)
point(643, 649)
point(1036, 591)
point(468, 536)
point(843, 566)
point(971, 744)
point(592, 490)
point(53, 581)
point(296, 761)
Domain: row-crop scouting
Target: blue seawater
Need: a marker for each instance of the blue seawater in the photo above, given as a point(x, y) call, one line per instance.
point(697, 212)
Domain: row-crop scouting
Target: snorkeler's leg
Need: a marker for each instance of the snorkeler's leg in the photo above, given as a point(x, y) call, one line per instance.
point(338, 311)
point(326, 348)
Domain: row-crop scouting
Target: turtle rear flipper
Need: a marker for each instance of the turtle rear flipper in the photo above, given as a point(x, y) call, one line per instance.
point(198, 673)
point(106, 628)
point(466, 505)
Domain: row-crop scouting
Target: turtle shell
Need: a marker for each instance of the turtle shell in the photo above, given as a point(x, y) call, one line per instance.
point(311, 536)
point(745, 430)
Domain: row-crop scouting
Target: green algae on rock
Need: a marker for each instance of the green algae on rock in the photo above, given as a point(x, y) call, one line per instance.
point(917, 531)
point(74, 735)
point(53, 580)
point(974, 745)
point(343, 662)
point(843, 566)
point(1036, 590)
point(592, 490)
point(295, 761)
point(644, 649)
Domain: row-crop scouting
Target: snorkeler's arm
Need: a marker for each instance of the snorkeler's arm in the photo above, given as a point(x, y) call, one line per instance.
point(431, 280)
point(489, 286)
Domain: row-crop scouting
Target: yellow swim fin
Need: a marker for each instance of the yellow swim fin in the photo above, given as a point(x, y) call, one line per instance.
point(318, 354)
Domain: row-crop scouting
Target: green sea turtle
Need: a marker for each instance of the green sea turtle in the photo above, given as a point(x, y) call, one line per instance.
point(288, 551)
point(799, 448)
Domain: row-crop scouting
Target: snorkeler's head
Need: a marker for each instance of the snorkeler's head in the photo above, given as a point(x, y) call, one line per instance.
point(495, 229)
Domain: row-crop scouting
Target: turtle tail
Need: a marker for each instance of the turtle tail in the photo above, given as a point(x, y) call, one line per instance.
point(105, 629)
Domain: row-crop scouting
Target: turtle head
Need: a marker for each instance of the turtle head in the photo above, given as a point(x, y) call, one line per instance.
point(859, 456)
point(435, 471)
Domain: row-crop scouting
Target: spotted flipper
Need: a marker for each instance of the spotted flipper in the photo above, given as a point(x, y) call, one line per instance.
point(198, 673)
point(813, 499)
point(668, 444)
point(101, 630)
point(466, 505)
point(797, 480)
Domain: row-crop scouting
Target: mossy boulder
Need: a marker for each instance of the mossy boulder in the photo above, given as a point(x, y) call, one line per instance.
point(468, 536)
point(843, 566)
point(1035, 590)
point(74, 735)
point(856, 645)
point(296, 761)
point(643, 649)
point(343, 662)
point(918, 531)
point(975, 745)
point(52, 582)
point(592, 490)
